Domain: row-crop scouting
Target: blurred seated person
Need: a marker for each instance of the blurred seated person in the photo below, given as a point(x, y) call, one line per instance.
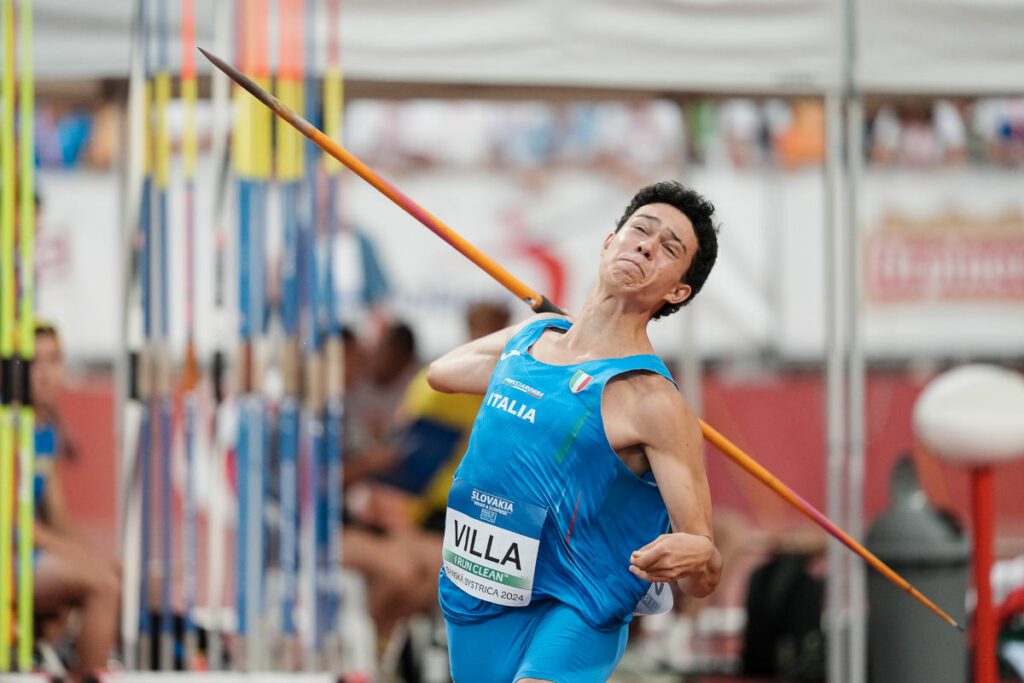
point(400, 511)
point(69, 574)
point(380, 376)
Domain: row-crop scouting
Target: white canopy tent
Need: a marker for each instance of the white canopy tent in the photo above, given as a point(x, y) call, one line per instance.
point(687, 46)
point(676, 46)
point(728, 46)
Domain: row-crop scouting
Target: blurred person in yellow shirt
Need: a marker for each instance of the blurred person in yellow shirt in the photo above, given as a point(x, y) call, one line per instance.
point(399, 511)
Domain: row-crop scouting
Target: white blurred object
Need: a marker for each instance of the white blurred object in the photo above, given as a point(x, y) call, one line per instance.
point(652, 642)
point(657, 600)
point(1007, 576)
point(717, 639)
point(679, 651)
point(1014, 654)
point(950, 129)
point(973, 414)
point(358, 633)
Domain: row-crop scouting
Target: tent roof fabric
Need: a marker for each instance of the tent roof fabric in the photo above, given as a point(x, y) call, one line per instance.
point(726, 46)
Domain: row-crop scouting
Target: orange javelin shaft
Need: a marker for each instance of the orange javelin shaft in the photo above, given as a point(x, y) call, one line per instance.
point(540, 303)
point(734, 453)
point(536, 301)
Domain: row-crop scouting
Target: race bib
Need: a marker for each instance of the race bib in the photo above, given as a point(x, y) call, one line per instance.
point(491, 544)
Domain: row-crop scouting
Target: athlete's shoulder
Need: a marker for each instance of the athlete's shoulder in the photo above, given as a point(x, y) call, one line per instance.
point(645, 376)
point(644, 392)
point(658, 399)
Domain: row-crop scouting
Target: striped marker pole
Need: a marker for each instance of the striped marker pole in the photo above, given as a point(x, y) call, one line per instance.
point(315, 434)
point(8, 289)
point(313, 407)
point(241, 155)
point(26, 341)
point(148, 362)
point(163, 402)
point(540, 303)
point(191, 372)
point(252, 157)
point(334, 103)
point(220, 442)
point(290, 171)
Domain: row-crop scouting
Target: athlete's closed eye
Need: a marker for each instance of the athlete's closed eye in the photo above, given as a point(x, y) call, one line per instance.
point(642, 229)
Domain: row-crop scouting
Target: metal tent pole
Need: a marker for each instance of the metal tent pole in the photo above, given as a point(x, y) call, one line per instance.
point(856, 397)
point(854, 360)
point(834, 387)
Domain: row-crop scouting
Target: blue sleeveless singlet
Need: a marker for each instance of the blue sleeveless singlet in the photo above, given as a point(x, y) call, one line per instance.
point(47, 443)
point(539, 439)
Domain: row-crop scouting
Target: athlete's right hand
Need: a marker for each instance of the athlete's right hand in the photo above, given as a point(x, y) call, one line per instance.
point(676, 557)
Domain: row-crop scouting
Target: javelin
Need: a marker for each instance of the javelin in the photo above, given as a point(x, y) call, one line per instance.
point(541, 304)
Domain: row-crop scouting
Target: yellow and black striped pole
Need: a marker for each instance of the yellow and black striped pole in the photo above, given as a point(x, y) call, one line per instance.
point(8, 287)
point(26, 339)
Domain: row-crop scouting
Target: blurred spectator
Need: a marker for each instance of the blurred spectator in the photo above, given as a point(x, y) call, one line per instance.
point(400, 513)
point(702, 129)
point(999, 123)
point(69, 573)
point(637, 138)
point(740, 125)
point(373, 401)
point(524, 137)
point(797, 132)
point(918, 143)
point(950, 131)
point(884, 135)
point(918, 134)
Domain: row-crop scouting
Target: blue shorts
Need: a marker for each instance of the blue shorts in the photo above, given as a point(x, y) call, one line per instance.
point(546, 640)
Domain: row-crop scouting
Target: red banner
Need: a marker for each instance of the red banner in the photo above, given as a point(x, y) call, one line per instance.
point(941, 267)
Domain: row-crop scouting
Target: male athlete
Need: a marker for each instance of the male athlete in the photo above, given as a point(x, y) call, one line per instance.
point(584, 479)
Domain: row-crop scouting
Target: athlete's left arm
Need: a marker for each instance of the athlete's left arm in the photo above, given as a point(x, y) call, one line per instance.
point(674, 447)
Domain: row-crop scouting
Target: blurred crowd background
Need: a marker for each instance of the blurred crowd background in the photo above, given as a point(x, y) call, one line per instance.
point(83, 132)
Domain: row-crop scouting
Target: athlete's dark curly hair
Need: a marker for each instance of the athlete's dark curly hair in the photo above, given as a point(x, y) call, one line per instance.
point(699, 211)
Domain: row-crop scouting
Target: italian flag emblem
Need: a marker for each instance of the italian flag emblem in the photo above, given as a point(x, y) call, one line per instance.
point(580, 381)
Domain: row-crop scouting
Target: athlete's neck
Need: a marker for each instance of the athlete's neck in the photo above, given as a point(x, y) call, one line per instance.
point(608, 327)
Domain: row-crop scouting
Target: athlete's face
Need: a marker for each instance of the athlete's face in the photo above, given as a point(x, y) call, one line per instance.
point(47, 371)
point(650, 254)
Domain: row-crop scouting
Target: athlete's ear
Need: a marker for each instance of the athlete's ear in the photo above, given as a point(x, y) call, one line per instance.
point(607, 241)
point(679, 294)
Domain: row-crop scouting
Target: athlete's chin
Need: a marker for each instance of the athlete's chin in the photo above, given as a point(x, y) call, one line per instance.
point(628, 277)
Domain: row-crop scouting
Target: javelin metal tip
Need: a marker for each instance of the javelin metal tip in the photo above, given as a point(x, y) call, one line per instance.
point(206, 54)
point(254, 89)
point(217, 61)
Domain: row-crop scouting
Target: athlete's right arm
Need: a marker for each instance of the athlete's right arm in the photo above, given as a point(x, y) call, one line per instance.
point(467, 369)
